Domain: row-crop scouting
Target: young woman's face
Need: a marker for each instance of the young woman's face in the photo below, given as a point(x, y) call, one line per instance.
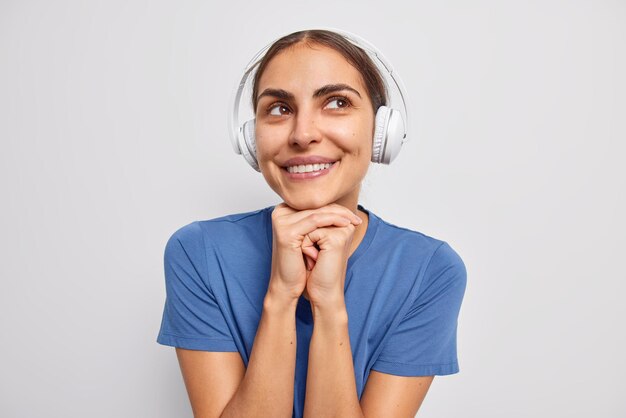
point(313, 110)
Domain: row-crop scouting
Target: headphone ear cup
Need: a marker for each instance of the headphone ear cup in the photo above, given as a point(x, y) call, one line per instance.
point(396, 134)
point(247, 143)
point(380, 133)
point(388, 135)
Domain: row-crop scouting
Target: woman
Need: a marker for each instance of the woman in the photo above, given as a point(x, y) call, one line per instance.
point(315, 307)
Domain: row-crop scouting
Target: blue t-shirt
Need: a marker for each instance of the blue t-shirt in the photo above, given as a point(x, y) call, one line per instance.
point(403, 293)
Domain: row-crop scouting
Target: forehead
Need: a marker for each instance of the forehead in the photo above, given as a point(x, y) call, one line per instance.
point(309, 66)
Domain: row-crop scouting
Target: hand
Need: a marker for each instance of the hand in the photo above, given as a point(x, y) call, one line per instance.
point(330, 248)
point(290, 228)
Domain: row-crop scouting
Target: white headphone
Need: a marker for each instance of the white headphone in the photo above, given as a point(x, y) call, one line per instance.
point(391, 126)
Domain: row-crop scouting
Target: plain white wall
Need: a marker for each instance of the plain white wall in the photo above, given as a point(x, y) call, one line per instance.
point(113, 133)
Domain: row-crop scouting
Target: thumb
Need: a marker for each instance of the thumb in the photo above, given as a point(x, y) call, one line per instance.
point(310, 263)
point(309, 248)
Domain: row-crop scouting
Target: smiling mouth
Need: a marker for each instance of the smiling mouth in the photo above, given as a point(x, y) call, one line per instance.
point(308, 168)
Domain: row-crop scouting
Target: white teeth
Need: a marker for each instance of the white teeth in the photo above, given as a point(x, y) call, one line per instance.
point(308, 168)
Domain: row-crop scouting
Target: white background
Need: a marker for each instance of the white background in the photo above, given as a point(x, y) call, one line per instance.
point(113, 135)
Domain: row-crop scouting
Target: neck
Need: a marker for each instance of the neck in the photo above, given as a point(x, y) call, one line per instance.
point(351, 202)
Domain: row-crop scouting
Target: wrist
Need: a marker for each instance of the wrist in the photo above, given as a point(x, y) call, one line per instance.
point(327, 299)
point(332, 310)
point(277, 299)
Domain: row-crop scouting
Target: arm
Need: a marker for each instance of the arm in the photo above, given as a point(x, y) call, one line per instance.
point(387, 395)
point(219, 385)
point(331, 387)
point(267, 387)
point(424, 343)
point(211, 379)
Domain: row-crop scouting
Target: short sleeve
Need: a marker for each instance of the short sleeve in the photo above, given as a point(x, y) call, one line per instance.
point(424, 343)
point(192, 318)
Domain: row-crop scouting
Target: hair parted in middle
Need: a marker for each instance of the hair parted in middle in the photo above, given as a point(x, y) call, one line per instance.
point(355, 55)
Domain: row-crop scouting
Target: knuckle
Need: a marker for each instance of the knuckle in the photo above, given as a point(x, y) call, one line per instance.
point(283, 240)
point(336, 239)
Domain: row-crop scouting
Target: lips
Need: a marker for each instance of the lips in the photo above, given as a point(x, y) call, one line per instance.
point(308, 167)
point(312, 159)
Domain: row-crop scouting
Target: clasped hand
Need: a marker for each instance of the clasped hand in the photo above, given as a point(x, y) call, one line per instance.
point(310, 250)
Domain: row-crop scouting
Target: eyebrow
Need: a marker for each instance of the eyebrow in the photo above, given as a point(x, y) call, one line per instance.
point(322, 91)
point(332, 88)
point(278, 93)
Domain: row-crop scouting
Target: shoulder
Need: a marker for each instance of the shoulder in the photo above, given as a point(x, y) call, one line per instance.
point(433, 255)
point(393, 231)
point(201, 233)
point(411, 242)
point(445, 275)
point(238, 221)
point(441, 275)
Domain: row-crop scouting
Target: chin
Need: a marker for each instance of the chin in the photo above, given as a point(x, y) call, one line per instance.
point(304, 203)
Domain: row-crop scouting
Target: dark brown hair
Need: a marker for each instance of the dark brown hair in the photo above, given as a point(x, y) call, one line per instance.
point(353, 54)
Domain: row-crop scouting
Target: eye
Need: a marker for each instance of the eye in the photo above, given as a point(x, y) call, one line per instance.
point(338, 103)
point(278, 109)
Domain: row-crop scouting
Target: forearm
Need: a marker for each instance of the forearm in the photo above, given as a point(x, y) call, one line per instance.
point(331, 387)
point(267, 387)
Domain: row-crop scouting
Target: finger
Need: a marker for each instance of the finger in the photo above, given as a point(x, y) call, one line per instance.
point(327, 238)
point(281, 211)
point(309, 262)
point(308, 248)
point(342, 209)
point(334, 208)
point(292, 236)
point(319, 220)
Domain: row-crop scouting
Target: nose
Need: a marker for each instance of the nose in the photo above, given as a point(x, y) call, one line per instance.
point(305, 129)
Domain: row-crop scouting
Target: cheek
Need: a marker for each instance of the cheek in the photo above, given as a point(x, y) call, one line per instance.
point(357, 143)
point(263, 153)
point(270, 138)
point(352, 137)
point(266, 145)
